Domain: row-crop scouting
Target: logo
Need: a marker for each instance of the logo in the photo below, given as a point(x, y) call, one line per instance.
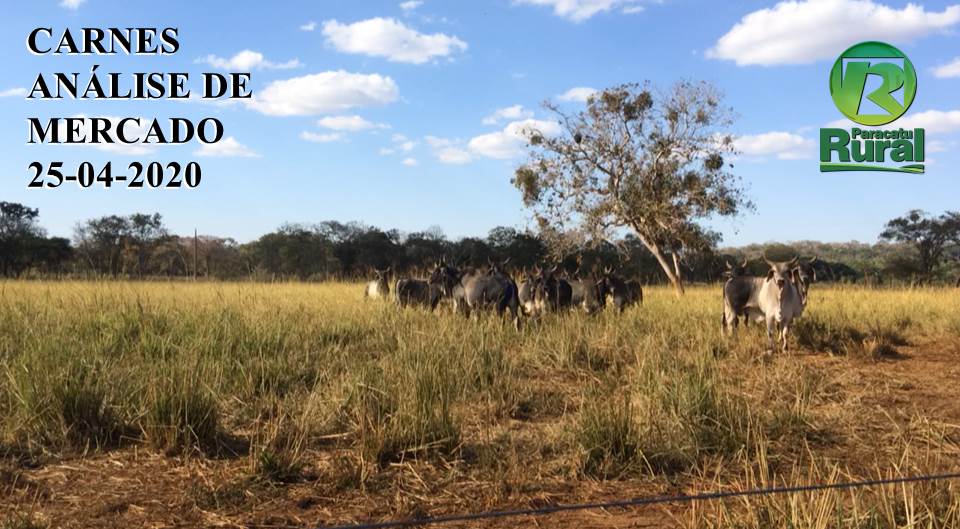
point(872, 84)
point(848, 82)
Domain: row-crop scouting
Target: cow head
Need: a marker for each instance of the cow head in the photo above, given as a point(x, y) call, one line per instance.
point(805, 273)
point(382, 277)
point(544, 288)
point(781, 273)
point(446, 276)
point(611, 284)
point(498, 268)
point(736, 269)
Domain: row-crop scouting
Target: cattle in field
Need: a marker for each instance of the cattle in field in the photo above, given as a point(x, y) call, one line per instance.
point(475, 290)
point(416, 292)
point(587, 294)
point(526, 292)
point(622, 293)
point(379, 288)
point(804, 274)
point(551, 293)
point(774, 300)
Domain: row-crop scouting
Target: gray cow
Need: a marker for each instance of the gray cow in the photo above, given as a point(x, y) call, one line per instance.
point(416, 292)
point(587, 294)
point(551, 293)
point(622, 293)
point(526, 293)
point(803, 275)
point(475, 290)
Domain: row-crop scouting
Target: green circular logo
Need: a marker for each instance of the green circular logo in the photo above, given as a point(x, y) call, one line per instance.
point(848, 82)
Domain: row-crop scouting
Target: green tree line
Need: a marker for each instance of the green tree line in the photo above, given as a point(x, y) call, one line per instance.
point(915, 248)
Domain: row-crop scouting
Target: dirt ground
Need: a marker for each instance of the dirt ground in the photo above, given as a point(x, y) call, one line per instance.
point(138, 487)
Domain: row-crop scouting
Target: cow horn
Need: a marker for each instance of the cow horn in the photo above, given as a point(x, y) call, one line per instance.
point(814, 259)
point(794, 261)
point(745, 261)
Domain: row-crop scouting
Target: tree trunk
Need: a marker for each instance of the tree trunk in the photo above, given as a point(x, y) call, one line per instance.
point(672, 272)
point(678, 284)
point(958, 282)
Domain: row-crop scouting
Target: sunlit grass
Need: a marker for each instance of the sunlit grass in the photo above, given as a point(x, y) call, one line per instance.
point(277, 370)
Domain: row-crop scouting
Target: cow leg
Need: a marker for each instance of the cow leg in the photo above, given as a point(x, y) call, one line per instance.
point(784, 330)
point(730, 321)
point(771, 323)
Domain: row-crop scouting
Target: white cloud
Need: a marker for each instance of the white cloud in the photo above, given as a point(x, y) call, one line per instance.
point(389, 38)
point(453, 156)
point(579, 93)
point(409, 162)
point(400, 144)
point(72, 4)
point(228, 147)
point(803, 31)
point(580, 10)
point(448, 151)
point(410, 5)
point(782, 145)
point(507, 113)
point(934, 121)
point(349, 123)
point(510, 142)
point(951, 69)
point(941, 146)
point(198, 98)
point(247, 60)
point(309, 26)
point(14, 92)
point(320, 138)
point(323, 93)
point(633, 10)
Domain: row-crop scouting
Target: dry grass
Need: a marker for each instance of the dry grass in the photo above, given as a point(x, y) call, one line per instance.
point(309, 386)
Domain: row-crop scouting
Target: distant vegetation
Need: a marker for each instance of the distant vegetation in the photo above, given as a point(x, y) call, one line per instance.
point(913, 249)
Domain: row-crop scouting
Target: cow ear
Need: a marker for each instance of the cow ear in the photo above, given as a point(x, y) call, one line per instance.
point(769, 274)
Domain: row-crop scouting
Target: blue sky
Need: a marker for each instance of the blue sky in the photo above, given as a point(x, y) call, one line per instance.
point(387, 113)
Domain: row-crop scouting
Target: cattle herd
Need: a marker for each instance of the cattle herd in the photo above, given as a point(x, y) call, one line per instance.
point(776, 299)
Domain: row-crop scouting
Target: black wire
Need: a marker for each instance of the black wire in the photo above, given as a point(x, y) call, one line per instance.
point(680, 498)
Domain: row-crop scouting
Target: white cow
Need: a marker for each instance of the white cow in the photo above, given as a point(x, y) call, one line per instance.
point(778, 301)
point(379, 288)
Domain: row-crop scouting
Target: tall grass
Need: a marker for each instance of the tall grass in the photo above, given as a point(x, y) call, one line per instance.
point(279, 372)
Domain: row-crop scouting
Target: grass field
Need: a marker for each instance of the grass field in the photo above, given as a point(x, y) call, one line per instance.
point(239, 404)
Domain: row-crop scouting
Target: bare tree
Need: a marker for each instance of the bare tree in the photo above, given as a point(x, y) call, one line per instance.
point(651, 163)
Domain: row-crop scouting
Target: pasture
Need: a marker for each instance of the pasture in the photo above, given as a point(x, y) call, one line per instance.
point(128, 404)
